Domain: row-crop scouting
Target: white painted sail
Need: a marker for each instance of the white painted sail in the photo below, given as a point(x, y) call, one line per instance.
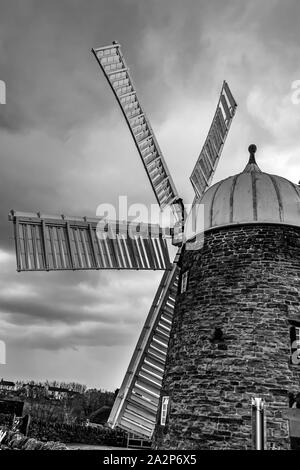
point(209, 156)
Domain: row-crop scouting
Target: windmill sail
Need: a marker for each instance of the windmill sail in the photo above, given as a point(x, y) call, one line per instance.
point(47, 243)
point(114, 67)
point(136, 404)
point(209, 157)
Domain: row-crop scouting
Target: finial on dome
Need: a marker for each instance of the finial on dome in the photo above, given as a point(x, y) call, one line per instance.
point(252, 150)
point(252, 165)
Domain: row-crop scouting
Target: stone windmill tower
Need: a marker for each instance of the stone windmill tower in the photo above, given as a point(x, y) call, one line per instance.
point(235, 332)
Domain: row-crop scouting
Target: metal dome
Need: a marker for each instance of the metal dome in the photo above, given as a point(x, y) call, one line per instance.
point(249, 197)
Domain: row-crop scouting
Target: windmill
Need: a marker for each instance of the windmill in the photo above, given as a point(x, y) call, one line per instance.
point(47, 243)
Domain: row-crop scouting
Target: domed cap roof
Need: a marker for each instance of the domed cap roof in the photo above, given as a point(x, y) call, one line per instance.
point(248, 197)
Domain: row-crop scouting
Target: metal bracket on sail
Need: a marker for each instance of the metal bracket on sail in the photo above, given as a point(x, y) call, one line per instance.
point(180, 216)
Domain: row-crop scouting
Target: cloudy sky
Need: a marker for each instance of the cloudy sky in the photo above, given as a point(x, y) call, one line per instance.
point(65, 148)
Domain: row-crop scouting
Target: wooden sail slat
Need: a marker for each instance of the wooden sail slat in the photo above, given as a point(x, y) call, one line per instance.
point(49, 243)
point(110, 59)
point(142, 382)
point(209, 156)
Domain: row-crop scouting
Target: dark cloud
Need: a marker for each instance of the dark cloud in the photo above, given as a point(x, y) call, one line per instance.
point(72, 305)
point(72, 338)
point(52, 79)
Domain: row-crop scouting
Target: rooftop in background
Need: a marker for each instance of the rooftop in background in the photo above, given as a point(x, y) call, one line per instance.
point(7, 383)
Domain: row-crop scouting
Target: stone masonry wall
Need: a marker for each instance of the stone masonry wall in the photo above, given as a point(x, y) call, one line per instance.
point(246, 282)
